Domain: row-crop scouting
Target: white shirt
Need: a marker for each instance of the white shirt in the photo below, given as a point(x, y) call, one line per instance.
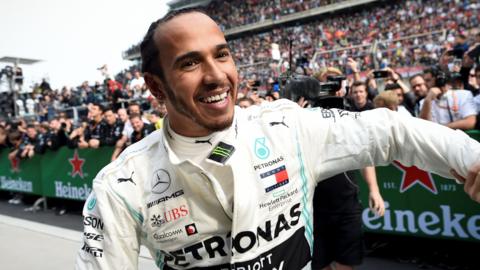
point(134, 82)
point(452, 106)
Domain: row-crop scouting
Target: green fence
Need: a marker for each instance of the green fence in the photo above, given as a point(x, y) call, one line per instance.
point(66, 173)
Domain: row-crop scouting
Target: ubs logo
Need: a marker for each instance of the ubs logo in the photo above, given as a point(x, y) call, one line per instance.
point(161, 181)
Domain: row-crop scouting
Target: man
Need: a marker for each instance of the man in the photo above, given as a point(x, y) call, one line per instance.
point(112, 130)
point(401, 106)
point(226, 188)
point(93, 132)
point(419, 88)
point(140, 129)
point(360, 97)
point(450, 107)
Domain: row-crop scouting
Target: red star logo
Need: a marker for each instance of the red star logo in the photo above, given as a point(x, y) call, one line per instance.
point(77, 164)
point(413, 175)
point(15, 163)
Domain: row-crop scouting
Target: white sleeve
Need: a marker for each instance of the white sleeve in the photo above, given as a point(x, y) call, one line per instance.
point(467, 107)
point(336, 141)
point(111, 232)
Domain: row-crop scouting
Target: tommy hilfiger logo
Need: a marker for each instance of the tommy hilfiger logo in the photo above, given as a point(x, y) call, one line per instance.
point(191, 229)
point(275, 178)
point(222, 152)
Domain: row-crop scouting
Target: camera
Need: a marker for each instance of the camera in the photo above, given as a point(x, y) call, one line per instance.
point(318, 94)
point(377, 74)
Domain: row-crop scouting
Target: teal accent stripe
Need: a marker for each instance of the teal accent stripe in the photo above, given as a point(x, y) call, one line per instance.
point(135, 214)
point(159, 259)
point(305, 214)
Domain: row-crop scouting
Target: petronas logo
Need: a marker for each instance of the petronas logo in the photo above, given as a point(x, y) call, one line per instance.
point(222, 152)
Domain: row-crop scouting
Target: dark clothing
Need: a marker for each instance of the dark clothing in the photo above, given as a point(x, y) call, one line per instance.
point(41, 143)
point(368, 106)
point(337, 222)
point(409, 100)
point(137, 136)
point(337, 194)
point(94, 130)
point(57, 139)
point(465, 74)
point(338, 238)
point(111, 133)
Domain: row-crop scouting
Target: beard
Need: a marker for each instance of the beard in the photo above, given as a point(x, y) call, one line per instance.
point(182, 108)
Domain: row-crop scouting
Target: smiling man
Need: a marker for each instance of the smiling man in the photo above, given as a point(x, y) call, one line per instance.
point(220, 187)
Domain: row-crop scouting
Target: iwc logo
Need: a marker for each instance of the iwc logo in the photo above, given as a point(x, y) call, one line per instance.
point(161, 181)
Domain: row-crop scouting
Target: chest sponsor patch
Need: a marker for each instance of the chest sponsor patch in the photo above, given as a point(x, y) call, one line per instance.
point(222, 152)
point(274, 178)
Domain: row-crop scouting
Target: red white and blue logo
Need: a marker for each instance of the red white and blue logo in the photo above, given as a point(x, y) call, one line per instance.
point(274, 179)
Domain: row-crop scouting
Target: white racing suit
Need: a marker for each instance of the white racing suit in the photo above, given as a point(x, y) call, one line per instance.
point(275, 155)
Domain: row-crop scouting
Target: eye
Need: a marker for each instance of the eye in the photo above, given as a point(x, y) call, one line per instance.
point(223, 54)
point(189, 64)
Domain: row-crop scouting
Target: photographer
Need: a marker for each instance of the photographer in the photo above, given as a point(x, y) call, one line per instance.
point(453, 108)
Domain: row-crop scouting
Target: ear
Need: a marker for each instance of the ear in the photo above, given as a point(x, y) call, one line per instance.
point(155, 85)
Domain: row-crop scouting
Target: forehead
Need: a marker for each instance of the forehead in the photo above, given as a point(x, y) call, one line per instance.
point(187, 32)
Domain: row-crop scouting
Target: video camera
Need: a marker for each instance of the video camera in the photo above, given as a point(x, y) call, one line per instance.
point(318, 94)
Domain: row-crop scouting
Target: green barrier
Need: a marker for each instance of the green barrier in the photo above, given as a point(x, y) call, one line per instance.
point(68, 173)
point(422, 204)
point(20, 175)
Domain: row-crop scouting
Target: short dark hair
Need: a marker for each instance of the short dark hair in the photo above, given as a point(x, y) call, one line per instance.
point(415, 76)
point(359, 83)
point(148, 48)
point(392, 86)
point(99, 105)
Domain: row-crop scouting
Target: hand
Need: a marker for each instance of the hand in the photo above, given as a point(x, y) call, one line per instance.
point(302, 102)
point(392, 74)
point(434, 93)
point(376, 203)
point(471, 184)
point(353, 65)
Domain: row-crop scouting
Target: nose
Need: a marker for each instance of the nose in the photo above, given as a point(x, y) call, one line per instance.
point(213, 73)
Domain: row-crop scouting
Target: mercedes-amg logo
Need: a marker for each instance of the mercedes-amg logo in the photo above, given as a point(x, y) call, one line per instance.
point(161, 181)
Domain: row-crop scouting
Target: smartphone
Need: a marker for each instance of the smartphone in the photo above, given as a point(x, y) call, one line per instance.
point(377, 74)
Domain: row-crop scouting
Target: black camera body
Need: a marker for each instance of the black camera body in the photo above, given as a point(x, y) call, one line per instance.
point(318, 94)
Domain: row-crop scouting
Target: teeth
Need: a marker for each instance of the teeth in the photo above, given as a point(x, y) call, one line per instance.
point(215, 98)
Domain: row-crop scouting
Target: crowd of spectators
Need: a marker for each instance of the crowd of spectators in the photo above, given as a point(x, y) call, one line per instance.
point(230, 14)
point(389, 33)
point(406, 33)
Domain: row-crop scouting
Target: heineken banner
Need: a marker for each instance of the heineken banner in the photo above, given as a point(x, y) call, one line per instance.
point(422, 204)
point(20, 175)
point(68, 173)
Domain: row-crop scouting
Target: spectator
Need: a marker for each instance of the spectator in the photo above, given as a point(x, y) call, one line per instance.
point(137, 82)
point(245, 102)
point(112, 130)
point(93, 132)
point(156, 120)
point(359, 97)
point(386, 99)
point(140, 129)
point(398, 91)
point(451, 107)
